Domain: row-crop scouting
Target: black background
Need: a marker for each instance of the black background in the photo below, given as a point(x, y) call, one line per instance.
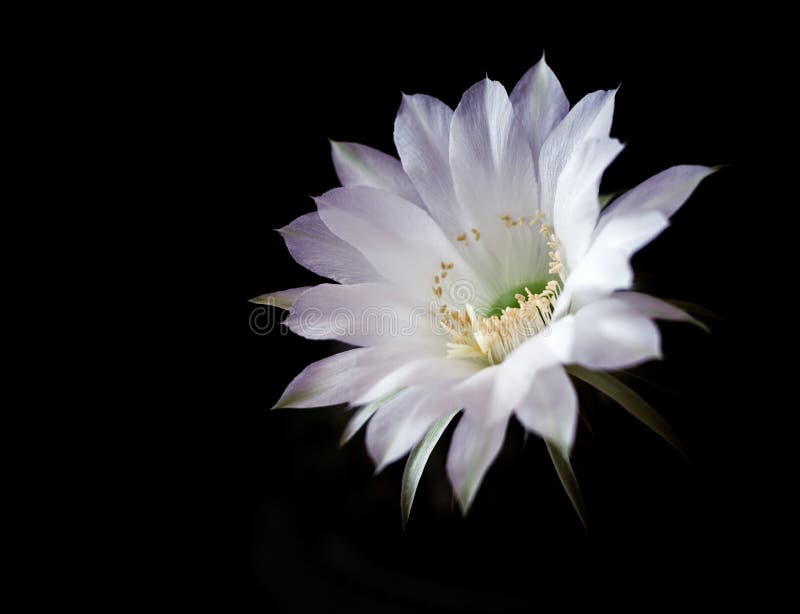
point(280, 519)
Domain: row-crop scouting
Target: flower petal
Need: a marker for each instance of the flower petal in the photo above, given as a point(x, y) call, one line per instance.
point(313, 245)
point(361, 416)
point(383, 226)
point(565, 473)
point(598, 274)
point(417, 461)
point(361, 165)
point(488, 395)
point(422, 138)
point(664, 192)
point(606, 267)
point(630, 402)
point(430, 366)
point(540, 104)
point(589, 119)
point(550, 407)
point(474, 447)
point(400, 423)
point(344, 377)
point(491, 160)
point(656, 308)
point(610, 334)
point(629, 233)
point(322, 383)
point(577, 206)
point(359, 314)
point(284, 299)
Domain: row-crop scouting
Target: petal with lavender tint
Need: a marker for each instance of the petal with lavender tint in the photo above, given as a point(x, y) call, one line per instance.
point(313, 245)
point(361, 165)
point(540, 104)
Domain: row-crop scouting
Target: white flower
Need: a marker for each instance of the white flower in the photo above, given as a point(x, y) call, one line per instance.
point(486, 247)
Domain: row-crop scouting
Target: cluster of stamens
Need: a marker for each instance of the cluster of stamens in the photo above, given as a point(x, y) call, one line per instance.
point(491, 339)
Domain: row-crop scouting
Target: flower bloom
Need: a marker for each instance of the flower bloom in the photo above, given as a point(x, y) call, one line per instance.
point(472, 270)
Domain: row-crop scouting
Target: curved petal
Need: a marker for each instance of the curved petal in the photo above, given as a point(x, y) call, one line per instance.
point(486, 395)
point(540, 104)
point(361, 165)
point(577, 206)
point(325, 382)
point(283, 299)
point(656, 308)
point(598, 274)
point(474, 447)
point(494, 177)
point(589, 119)
point(422, 138)
point(610, 334)
point(629, 233)
point(345, 377)
point(664, 192)
point(315, 247)
point(550, 407)
point(401, 422)
point(430, 366)
point(359, 314)
point(490, 157)
point(400, 240)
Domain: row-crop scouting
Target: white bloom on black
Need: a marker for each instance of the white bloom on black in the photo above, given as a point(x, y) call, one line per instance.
point(486, 242)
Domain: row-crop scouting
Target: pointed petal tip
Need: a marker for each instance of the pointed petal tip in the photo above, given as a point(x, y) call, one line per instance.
point(464, 503)
point(702, 326)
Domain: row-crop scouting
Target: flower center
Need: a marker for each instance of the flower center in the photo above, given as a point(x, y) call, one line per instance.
point(492, 338)
point(509, 299)
point(515, 316)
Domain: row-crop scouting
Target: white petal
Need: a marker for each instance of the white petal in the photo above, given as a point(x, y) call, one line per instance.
point(314, 246)
point(324, 382)
point(359, 314)
point(492, 393)
point(361, 165)
point(540, 104)
point(490, 157)
point(474, 447)
point(400, 240)
point(550, 407)
point(487, 395)
point(589, 119)
point(283, 299)
point(610, 334)
point(629, 233)
point(429, 366)
point(656, 308)
point(550, 347)
point(577, 206)
point(344, 377)
point(664, 192)
point(598, 274)
point(400, 423)
point(422, 137)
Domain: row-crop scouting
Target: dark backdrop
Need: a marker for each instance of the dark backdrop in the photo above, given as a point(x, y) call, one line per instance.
point(281, 519)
